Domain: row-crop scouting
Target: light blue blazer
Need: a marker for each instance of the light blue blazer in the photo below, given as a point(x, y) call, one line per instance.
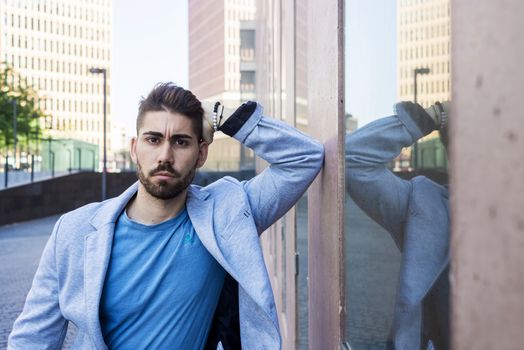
point(228, 217)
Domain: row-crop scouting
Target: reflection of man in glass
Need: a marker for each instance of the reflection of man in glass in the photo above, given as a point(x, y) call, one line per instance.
point(415, 213)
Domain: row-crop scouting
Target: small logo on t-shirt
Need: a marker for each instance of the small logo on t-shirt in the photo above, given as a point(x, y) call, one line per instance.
point(188, 238)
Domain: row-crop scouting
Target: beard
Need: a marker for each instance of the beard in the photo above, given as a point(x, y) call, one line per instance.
point(165, 190)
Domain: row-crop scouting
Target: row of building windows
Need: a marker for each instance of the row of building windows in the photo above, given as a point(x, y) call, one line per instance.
point(59, 47)
point(51, 46)
point(80, 32)
point(50, 65)
point(424, 14)
point(69, 124)
point(77, 10)
point(426, 51)
point(425, 33)
point(428, 87)
point(45, 84)
point(435, 68)
point(242, 14)
point(75, 106)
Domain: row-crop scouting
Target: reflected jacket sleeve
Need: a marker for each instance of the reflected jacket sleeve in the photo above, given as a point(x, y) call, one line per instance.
point(375, 189)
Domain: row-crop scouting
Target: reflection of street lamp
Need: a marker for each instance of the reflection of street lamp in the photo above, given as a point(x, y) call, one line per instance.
point(416, 72)
point(104, 168)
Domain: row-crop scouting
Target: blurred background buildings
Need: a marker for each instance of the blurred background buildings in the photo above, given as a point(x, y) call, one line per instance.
point(222, 67)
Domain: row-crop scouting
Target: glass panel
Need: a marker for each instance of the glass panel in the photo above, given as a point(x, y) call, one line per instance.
point(396, 228)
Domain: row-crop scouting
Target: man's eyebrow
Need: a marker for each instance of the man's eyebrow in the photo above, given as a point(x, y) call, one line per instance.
point(153, 133)
point(174, 136)
point(181, 136)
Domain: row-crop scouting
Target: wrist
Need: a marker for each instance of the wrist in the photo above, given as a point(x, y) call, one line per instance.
point(237, 118)
point(439, 114)
point(433, 114)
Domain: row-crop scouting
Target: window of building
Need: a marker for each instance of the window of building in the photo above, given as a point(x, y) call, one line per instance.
point(247, 80)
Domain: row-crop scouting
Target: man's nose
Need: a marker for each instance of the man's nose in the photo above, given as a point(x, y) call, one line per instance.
point(166, 154)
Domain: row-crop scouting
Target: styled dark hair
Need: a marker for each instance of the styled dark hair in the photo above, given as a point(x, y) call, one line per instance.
point(175, 99)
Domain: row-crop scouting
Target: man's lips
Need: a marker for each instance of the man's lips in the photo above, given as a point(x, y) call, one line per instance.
point(164, 174)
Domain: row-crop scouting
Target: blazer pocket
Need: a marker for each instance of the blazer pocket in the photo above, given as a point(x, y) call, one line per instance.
point(236, 224)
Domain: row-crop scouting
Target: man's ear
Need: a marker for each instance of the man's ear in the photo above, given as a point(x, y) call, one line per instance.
point(203, 148)
point(132, 149)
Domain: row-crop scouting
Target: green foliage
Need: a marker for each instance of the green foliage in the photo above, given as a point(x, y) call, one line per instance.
point(17, 96)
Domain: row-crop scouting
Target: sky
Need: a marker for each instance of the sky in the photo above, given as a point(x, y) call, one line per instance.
point(370, 46)
point(150, 45)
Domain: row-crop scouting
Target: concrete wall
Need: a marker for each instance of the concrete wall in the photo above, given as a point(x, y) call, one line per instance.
point(58, 195)
point(487, 173)
point(65, 193)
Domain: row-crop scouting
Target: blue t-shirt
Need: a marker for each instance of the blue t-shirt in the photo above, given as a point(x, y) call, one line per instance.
point(161, 288)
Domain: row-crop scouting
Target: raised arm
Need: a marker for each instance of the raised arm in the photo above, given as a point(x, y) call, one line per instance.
point(294, 161)
point(375, 189)
point(41, 324)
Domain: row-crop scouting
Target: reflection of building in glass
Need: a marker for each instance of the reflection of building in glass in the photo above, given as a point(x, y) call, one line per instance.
point(222, 66)
point(301, 64)
point(424, 41)
point(424, 37)
point(53, 45)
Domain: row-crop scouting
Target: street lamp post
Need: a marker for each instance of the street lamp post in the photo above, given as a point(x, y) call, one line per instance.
point(6, 170)
point(15, 137)
point(103, 71)
point(36, 117)
point(416, 72)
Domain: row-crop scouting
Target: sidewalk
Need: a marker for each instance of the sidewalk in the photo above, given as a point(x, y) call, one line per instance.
point(21, 246)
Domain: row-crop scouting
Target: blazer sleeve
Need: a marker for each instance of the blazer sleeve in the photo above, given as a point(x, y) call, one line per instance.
point(41, 324)
point(376, 190)
point(294, 161)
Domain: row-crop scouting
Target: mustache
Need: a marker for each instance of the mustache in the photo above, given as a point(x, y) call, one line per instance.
point(165, 167)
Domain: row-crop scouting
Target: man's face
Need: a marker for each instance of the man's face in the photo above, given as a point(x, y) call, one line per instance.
point(167, 153)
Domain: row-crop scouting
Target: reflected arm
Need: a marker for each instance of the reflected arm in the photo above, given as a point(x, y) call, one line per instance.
point(375, 189)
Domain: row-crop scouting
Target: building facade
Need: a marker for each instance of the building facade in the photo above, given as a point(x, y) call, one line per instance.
point(424, 41)
point(222, 66)
point(53, 44)
point(222, 50)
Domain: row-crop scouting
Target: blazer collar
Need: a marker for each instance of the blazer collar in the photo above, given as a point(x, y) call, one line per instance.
point(111, 209)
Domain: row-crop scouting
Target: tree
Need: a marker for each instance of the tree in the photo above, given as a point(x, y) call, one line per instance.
point(20, 100)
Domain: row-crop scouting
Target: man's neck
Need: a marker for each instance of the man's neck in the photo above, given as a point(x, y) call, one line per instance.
point(146, 209)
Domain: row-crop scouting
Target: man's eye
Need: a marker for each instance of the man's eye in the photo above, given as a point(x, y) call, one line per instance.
point(181, 142)
point(153, 140)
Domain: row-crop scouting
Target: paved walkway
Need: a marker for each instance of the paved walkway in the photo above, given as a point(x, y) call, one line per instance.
point(21, 246)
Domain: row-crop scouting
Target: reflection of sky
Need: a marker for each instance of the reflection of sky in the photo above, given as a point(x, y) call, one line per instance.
point(371, 43)
point(150, 41)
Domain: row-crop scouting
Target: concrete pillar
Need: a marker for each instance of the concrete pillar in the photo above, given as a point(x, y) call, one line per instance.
point(325, 55)
point(487, 174)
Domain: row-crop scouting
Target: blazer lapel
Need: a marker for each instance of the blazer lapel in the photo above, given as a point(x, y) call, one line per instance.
point(97, 252)
point(200, 209)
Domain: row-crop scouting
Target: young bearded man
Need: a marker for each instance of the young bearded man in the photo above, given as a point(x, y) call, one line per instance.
point(145, 270)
